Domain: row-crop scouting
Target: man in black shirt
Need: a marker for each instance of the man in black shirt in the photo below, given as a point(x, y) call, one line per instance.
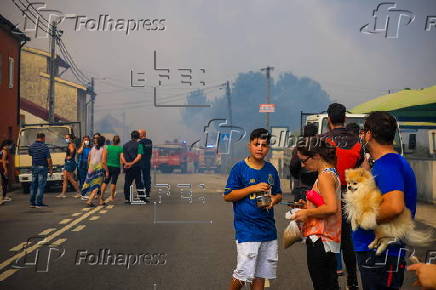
point(131, 157)
point(146, 160)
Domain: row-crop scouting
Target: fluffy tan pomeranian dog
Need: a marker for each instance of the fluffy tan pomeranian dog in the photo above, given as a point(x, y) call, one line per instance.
point(362, 202)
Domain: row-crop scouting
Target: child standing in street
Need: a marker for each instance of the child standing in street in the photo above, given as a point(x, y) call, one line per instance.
point(254, 188)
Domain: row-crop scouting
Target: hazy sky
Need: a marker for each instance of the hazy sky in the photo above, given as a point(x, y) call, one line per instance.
point(313, 38)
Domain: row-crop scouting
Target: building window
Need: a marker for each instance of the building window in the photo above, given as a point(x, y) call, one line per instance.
point(11, 72)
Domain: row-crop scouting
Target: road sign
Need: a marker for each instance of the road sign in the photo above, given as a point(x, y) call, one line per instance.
point(267, 108)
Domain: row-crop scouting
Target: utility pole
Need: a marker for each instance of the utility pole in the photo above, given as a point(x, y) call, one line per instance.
point(91, 92)
point(51, 88)
point(229, 102)
point(229, 107)
point(268, 70)
point(124, 126)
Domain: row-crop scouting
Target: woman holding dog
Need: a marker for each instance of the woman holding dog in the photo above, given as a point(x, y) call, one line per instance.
point(322, 223)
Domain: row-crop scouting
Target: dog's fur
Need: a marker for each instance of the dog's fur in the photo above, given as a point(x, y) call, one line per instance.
point(362, 202)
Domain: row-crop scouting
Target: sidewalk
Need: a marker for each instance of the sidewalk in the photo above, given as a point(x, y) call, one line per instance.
point(426, 213)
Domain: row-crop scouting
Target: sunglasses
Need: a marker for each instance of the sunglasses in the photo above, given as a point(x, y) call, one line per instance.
point(305, 160)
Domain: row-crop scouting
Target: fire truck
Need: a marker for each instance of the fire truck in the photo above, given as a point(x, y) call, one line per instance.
point(209, 159)
point(172, 156)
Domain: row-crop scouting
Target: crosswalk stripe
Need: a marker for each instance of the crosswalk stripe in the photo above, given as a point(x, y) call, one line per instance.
point(110, 206)
point(103, 211)
point(93, 218)
point(76, 214)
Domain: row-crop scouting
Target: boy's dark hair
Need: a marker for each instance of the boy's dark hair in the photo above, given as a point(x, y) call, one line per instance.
point(310, 146)
point(101, 140)
point(336, 113)
point(134, 135)
point(6, 142)
point(382, 126)
point(310, 130)
point(353, 128)
point(40, 136)
point(116, 140)
point(260, 133)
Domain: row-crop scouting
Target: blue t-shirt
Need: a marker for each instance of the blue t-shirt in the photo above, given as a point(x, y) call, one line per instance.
point(83, 158)
point(253, 224)
point(391, 172)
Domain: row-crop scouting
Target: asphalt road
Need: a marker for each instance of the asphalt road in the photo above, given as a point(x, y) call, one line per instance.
point(171, 243)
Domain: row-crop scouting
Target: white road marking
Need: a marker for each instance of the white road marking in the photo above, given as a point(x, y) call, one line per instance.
point(103, 211)
point(76, 214)
point(96, 217)
point(47, 231)
point(86, 209)
point(110, 206)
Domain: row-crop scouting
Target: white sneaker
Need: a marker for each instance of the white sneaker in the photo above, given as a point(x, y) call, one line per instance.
point(7, 198)
point(84, 197)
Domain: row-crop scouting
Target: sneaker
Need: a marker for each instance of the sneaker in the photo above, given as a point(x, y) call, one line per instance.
point(7, 198)
point(32, 206)
point(127, 202)
point(77, 195)
point(41, 205)
point(354, 287)
point(62, 195)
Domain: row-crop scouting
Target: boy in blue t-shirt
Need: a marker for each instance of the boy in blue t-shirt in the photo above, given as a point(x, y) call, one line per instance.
point(256, 234)
point(397, 183)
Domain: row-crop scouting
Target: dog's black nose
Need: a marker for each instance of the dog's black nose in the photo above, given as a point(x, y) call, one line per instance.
point(350, 188)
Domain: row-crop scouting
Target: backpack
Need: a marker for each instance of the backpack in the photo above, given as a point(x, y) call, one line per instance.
point(346, 158)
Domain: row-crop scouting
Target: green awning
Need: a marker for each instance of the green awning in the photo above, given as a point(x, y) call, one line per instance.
point(406, 105)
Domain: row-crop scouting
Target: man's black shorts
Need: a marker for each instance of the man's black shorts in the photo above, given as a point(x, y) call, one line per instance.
point(113, 175)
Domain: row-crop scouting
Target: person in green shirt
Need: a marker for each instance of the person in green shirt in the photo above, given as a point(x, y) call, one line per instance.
point(114, 165)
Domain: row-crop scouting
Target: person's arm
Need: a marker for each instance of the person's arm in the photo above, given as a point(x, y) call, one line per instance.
point(104, 162)
point(391, 206)
point(238, 194)
point(80, 150)
point(390, 182)
point(276, 191)
point(139, 154)
point(71, 148)
point(426, 274)
point(136, 160)
point(50, 166)
point(123, 160)
point(327, 189)
point(5, 162)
